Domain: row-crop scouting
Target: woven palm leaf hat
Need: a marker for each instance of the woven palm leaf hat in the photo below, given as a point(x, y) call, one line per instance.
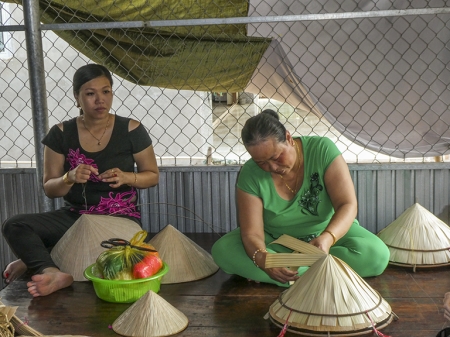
point(80, 245)
point(187, 261)
point(6, 326)
point(150, 316)
point(329, 299)
point(20, 327)
point(417, 238)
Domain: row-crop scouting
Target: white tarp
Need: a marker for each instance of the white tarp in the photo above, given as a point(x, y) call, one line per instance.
point(384, 83)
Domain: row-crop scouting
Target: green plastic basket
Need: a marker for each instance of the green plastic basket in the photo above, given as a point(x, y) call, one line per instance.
point(124, 291)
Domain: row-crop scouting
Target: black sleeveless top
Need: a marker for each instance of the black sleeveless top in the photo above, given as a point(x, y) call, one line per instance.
point(96, 197)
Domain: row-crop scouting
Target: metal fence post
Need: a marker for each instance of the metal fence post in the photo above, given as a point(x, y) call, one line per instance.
point(38, 97)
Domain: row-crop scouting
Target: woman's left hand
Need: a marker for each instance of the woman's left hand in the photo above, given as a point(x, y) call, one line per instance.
point(323, 242)
point(113, 176)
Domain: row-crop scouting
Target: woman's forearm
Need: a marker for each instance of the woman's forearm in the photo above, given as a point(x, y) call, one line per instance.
point(58, 187)
point(341, 221)
point(143, 179)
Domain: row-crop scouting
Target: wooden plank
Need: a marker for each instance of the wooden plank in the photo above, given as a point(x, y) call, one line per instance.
point(228, 305)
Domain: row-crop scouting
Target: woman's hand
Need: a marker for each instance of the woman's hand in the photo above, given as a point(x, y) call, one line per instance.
point(54, 185)
point(282, 275)
point(81, 173)
point(323, 242)
point(115, 177)
point(252, 234)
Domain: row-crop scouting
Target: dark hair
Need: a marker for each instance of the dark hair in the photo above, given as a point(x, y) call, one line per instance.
point(87, 73)
point(262, 127)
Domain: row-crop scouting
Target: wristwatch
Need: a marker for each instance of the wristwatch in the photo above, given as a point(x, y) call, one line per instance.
point(66, 179)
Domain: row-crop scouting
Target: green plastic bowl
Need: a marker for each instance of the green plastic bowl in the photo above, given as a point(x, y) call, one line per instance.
point(124, 291)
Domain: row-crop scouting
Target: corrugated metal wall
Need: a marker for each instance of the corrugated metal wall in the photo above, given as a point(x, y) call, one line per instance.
point(385, 191)
point(202, 199)
point(192, 199)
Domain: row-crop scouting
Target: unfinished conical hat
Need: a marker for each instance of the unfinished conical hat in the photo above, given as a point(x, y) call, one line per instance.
point(6, 315)
point(331, 297)
point(417, 238)
point(21, 328)
point(80, 245)
point(328, 298)
point(187, 260)
point(149, 316)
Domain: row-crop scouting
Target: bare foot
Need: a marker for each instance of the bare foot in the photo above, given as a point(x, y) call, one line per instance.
point(14, 270)
point(51, 280)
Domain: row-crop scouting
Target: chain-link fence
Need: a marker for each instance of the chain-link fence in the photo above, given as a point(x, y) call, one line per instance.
point(377, 85)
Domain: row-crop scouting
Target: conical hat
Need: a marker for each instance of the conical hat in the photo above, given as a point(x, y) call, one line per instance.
point(331, 297)
point(187, 260)
point(418, 238)
point(20, 327)
point(150, 316)
point(328, 297)
point(23, 329)
point(6, 326)
point(7, 312)
point(80, 245)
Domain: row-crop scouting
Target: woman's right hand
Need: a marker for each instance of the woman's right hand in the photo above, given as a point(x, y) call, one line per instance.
point(54, 171)
point(279, 274)
point(282, 275)
point(81, 173)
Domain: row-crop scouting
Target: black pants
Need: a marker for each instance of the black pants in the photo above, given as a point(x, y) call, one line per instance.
point(32, 236)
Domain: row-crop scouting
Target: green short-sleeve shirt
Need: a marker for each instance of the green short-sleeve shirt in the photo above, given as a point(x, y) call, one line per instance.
point(310, 211)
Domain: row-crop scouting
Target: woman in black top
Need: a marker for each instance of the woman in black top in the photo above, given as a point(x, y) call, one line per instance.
point(89, 161)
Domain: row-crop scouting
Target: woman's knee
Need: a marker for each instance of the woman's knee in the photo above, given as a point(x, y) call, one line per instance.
point(381, 258)
point(9, 226)
point(367, 257)
point(219, 249)
point(226, 249)
point(226, 242)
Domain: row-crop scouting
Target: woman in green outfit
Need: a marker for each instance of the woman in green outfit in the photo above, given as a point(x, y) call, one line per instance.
point(300, 187)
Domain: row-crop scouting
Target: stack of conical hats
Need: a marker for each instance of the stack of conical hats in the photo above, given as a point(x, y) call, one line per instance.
point(329, 298)
point(150, 316)
point(417, 238)
point(80, 245)
point(187, 261)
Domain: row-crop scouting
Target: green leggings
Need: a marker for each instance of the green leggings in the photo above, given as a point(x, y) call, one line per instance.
point(362, 250)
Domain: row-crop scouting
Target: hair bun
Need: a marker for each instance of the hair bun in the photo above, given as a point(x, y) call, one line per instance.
point(271, 113)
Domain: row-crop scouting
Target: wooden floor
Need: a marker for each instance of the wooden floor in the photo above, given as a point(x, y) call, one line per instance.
point(224, 305)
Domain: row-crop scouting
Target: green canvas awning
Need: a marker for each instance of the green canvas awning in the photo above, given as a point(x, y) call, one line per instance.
point(206, 58)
